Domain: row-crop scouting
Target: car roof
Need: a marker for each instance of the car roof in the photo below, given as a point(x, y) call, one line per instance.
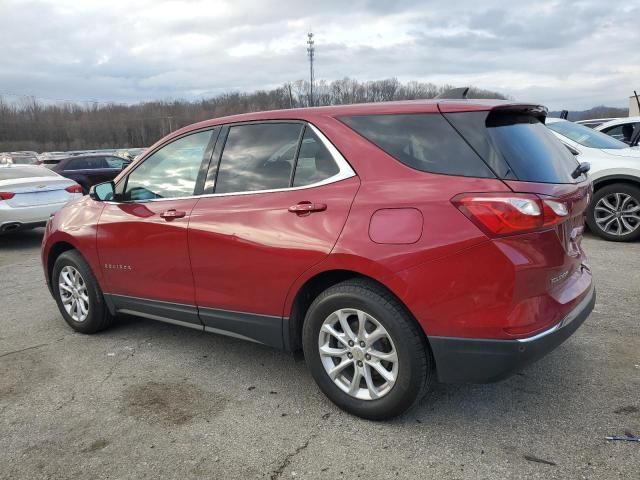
point(618, 121)
point(377, 108)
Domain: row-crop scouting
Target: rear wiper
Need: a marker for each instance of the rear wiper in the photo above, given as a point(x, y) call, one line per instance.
point(584, 167)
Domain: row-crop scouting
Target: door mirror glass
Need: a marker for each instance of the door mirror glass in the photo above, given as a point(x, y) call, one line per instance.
point(103, 191)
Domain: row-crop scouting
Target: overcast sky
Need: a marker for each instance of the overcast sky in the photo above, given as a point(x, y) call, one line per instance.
point(564, 54)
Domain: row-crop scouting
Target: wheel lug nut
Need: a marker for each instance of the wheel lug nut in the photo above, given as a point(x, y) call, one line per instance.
point(351, 343)
point(359, 363)
point(367, 356)
point(350, 355)
point(362, 344)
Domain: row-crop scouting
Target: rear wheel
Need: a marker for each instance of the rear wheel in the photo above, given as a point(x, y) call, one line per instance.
point(364, 350)
point(614, 212)
point(78, 295)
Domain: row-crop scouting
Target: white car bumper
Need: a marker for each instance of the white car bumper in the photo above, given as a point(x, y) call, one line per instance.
point(17, 218)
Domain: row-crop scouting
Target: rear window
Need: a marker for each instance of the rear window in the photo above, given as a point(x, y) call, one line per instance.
point(425, 142)
point(12, 173)
point(516, 146)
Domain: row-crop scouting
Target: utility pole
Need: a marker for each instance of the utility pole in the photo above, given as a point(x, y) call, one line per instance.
point(310, 51)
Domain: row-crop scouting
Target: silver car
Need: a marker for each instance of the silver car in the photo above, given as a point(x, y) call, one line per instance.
point(29, 194)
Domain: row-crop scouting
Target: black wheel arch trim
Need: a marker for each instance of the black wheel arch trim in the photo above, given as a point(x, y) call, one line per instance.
point(615, 178)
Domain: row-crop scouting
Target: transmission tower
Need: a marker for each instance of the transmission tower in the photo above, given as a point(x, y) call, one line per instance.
point(310, 51)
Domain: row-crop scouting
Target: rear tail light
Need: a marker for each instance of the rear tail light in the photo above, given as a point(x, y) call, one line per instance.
point(500, 214)
point(6, 195)
point(74, 189)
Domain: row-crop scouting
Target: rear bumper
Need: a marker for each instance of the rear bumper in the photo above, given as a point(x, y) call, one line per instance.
point(471, 360)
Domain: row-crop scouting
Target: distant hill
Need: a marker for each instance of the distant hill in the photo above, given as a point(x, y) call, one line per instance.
point(595, 112)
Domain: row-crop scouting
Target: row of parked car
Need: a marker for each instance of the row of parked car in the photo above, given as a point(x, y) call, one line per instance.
point(33, 186)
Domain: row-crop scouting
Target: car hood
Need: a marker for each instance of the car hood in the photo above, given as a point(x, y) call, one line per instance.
point(623, 152)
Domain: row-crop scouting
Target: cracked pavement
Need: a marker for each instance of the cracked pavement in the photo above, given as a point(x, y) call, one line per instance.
point(150, 400)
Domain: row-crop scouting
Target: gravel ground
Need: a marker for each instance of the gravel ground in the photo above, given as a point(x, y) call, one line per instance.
point(151, 400)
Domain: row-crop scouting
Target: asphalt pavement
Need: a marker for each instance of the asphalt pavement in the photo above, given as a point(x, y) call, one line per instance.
point(152, 400)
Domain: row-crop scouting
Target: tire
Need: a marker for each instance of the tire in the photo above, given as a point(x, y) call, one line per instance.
point(624, 196)
point(97, 316)
point(356, 300)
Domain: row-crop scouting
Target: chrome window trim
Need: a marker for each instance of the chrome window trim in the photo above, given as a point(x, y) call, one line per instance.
point(344, 171)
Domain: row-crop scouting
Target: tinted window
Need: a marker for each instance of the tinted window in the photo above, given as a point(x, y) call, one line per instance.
point(315, 162)
point(586, 136)
point(170, 172)
point(516, 146)
point(88, 163)
point(425, 142)
point(624, 132)
point(116, 162)
point(12, 173)
point(258, 157)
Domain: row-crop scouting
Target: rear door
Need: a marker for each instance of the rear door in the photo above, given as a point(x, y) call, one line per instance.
point(142, 238)
point(277, 204)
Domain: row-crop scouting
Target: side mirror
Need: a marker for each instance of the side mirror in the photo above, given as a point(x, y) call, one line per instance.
point(103, 192)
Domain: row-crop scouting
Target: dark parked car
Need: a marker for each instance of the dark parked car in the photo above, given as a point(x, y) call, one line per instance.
point(90, 170)
point(393, 243)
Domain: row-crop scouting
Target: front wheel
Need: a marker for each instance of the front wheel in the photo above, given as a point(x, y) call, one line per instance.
point(78, 294)
point(614, 212)
point(365, 351)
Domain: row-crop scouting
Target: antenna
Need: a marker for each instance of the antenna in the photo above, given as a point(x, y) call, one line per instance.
point(310, 51)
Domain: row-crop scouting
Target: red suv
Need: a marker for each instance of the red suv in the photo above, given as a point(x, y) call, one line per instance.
point(391, 242)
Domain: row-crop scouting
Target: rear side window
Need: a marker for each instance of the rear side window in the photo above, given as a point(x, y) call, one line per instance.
point(425, 142)
point(258, 157)
point(90, 163)
point(315, 162)
point(517, 146)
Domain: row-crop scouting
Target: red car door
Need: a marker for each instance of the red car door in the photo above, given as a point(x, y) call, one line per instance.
point(265, 226)
point(142, 238)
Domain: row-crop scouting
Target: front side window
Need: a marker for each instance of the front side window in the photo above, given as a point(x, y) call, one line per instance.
point(116, 162)
point(258, 157)
point(170, 172)
point(624, 132)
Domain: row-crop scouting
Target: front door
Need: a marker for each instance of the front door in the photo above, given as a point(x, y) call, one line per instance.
point(282, 196)
point(142, 238)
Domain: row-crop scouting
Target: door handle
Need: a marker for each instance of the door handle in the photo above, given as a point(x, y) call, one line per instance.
point(305, 208)
point(173, 214)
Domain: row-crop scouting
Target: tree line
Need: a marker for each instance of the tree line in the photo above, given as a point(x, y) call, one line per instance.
point(34, 125)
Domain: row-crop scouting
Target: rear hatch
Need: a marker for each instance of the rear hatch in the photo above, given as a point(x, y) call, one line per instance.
point(540, 226)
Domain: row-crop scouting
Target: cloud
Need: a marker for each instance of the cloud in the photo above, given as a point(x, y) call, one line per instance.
point(565, 54)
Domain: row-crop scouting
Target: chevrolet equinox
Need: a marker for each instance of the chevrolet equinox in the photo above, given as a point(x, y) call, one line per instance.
point(394, 243)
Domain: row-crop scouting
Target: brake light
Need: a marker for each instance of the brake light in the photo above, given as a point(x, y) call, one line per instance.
point(6, 195)
point(74, 188)
point(500, 214)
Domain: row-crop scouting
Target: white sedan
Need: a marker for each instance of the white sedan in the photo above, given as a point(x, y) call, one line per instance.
point(29, 194)
point(614, 211)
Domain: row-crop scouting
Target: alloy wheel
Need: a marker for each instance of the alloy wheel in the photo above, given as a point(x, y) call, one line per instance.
point(73, 293)
point(618, 214)
point(358, 354)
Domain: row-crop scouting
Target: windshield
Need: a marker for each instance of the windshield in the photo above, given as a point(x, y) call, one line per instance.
point(586, 136)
